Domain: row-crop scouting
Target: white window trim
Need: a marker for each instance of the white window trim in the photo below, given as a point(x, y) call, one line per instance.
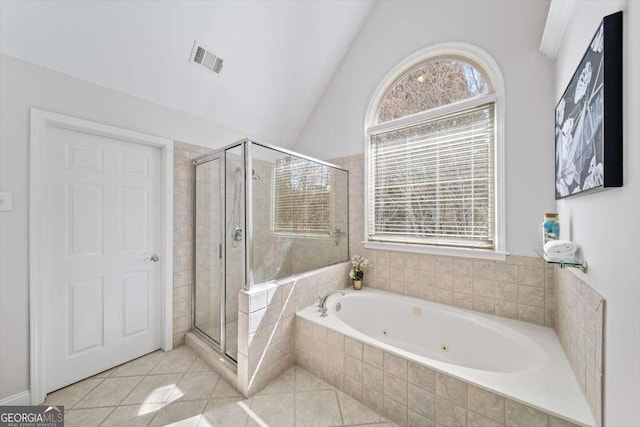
point(486, 62)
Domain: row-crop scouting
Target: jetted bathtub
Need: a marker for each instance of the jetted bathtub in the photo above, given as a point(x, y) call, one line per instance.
point(518, 360)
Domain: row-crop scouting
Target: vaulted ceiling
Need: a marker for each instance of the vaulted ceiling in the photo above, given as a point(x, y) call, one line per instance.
point(279, 56)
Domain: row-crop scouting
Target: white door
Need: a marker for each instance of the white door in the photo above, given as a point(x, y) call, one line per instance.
point(103, 306)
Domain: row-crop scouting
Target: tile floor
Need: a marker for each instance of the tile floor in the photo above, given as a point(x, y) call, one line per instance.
point(179, 389)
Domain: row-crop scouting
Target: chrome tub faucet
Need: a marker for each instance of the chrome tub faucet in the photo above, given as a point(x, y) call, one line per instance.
point(322, 302)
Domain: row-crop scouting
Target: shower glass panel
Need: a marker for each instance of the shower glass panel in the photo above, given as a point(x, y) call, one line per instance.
point(235, 244)
point(299, 214)
point(260, 213)
point(208, 259)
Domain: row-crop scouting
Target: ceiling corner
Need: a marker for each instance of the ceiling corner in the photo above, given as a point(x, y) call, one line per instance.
point(557, 20)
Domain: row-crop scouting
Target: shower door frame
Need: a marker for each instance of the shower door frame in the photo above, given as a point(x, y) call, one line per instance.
point(220, 155)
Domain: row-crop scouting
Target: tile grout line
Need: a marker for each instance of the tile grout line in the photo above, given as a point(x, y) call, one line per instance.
point(108, 415)
point(84, 395)
point(335, 392)
point(408, 406)
point(385, 423)
point(131, 391)
point(215, 386)
point(246, 423)
point(202, 411)
point(295, 395)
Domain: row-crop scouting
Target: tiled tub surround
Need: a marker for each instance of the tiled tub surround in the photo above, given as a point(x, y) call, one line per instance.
point(415, 385)
point(522, 288)
point(266, 322)
point(579, 326)
point(518, 288)
point(183, 187)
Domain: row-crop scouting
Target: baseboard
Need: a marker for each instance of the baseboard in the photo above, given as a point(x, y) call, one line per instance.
point(23, 398)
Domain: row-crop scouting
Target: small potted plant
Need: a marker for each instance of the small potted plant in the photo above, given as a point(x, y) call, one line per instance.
point(359, 265)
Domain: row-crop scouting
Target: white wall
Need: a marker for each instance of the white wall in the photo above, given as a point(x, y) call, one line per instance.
point(510, 32)
point(22, 86)
point(606, 224)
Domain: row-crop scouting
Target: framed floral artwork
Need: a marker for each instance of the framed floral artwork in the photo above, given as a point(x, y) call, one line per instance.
point(589, 117)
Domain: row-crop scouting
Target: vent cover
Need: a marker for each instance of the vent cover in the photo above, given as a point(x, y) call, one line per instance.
point(203, 58)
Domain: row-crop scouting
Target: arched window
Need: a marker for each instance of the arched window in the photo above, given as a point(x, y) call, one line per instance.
point(434, 155)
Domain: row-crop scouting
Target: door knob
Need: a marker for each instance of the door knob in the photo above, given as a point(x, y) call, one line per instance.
point(152, 258)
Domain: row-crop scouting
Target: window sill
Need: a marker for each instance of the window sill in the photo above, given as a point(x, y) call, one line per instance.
point(438, 250)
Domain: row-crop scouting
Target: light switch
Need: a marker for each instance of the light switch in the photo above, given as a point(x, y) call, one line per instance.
point(6, 201)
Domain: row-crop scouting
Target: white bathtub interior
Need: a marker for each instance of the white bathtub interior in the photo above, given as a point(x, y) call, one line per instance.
point(515, 359)
point(444, 335)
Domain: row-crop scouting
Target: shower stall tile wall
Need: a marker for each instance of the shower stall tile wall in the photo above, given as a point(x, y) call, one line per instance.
point(579, 326)
point(518, 288)
point(266, 322)
point(183, 187)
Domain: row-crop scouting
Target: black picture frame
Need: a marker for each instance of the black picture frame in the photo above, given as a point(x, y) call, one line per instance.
point(588, 124)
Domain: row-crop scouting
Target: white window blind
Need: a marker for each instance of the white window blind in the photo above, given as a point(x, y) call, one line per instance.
point(302, 201)
point(433, 182)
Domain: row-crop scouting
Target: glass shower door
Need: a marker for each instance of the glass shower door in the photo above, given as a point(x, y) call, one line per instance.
point(234, 193)
point(208, 255)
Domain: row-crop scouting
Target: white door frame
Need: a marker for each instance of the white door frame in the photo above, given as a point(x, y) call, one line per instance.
point(40, 270)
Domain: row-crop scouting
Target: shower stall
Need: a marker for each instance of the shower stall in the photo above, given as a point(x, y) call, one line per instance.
point(260, 213)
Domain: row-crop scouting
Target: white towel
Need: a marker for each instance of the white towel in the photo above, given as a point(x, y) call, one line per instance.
point(560, 248)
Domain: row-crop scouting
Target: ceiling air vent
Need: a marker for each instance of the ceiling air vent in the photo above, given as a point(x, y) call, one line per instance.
point(203, 58)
